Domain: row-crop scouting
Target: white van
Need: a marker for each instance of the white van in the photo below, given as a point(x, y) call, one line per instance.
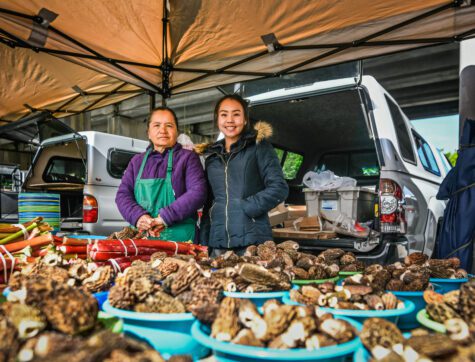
point(85, 168)
point(356, 129)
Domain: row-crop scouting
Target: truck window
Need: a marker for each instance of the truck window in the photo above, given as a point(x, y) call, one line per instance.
point(65, 169)
point(290, 162)
point(426, 155)
point(118, 161)
point(402, 133)
point(358, 164)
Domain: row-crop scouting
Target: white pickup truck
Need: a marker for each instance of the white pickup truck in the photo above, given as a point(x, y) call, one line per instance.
point(356, 129)
point(85, 168)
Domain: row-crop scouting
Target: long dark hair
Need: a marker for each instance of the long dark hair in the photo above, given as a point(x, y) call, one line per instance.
point(241, 101)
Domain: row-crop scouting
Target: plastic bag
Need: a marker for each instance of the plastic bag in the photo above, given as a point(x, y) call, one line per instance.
point(185, 141)
point(326, 181)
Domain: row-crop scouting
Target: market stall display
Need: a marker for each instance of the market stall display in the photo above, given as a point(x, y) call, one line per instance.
point(240, 332)
point(155, 301)
point(383, 341)
point(45, 320)
point(444, 308)
point(356, 301)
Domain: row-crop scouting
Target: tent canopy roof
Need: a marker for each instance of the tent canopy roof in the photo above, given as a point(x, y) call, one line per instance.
point(68, 56)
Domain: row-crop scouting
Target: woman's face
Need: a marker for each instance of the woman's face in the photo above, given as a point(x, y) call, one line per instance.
point(162, 130)
point(231, 120)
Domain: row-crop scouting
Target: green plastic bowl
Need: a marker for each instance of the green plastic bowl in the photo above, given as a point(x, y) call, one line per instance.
point(349, 273)
point(314, 281)
point(424, 319)
point(110, 322)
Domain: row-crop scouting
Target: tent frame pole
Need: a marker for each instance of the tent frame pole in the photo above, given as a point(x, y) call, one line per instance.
point(111, 61)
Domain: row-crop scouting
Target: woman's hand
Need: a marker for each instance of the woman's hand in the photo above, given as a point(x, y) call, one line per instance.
point(157, 226)
point(145, 222)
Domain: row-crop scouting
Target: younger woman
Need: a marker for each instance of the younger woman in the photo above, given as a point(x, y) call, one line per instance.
point(245, 179)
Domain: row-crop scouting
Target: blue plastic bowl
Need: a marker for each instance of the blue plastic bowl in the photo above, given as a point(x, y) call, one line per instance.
point(101, 298)
point(169, 334)
point(258, 298)
point(409, 321)
point(86, 236)
point(228, 352)
point(392, 315)
point(363, 355)
point(447, 285)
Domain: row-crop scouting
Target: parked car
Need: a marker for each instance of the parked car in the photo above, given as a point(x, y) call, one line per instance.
point(85, 168)
point(356, 129)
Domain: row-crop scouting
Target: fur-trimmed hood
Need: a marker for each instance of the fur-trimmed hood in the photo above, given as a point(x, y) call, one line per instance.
point(262, 130)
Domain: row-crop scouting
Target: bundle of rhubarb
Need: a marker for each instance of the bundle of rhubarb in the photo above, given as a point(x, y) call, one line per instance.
point(21, 244)
point(123, 252)
point(10, 233)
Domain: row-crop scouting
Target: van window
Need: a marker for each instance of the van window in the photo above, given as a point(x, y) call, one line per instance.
point(65, 169)
point(118, 161)
point(402, 133)
point(290, 162)
point(426, 155)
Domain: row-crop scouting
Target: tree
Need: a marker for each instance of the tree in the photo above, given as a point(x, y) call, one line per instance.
point(452, 157)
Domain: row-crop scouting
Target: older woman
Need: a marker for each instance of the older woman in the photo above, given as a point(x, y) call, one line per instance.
point(163, 188)
point(246, 181)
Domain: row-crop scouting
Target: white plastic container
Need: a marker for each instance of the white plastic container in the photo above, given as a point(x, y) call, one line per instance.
point(354, 202)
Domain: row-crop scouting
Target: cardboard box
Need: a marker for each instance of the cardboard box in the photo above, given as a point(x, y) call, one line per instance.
point(296, 211)
point(291, 233)
point(278, 215)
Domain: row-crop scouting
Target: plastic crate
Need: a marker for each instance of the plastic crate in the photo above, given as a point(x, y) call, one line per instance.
point(355, 202)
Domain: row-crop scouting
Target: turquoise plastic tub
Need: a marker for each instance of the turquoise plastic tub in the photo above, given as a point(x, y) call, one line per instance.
point(409, 321)
point(258, 298)
point(392, 315)
point(228, 352)
point(447, 285)
point(169, 334)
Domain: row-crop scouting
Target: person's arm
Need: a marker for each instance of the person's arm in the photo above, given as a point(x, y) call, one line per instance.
point(275, 187)
point(187, 204)
point(205, 224)
point(128, 207)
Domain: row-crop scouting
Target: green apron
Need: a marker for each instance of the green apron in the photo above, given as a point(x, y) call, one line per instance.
point(157, 193)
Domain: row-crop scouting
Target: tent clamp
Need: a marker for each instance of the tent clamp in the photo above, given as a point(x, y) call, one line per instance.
point(271, 42)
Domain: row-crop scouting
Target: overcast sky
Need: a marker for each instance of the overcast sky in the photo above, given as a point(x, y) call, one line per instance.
point(442, 132)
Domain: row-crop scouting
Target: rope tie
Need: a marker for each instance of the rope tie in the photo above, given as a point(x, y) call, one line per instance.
point(115, 265)
point(25, 232)
point(125, 248)
point(176, 246)
point(135, 246)
point(12, 258)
